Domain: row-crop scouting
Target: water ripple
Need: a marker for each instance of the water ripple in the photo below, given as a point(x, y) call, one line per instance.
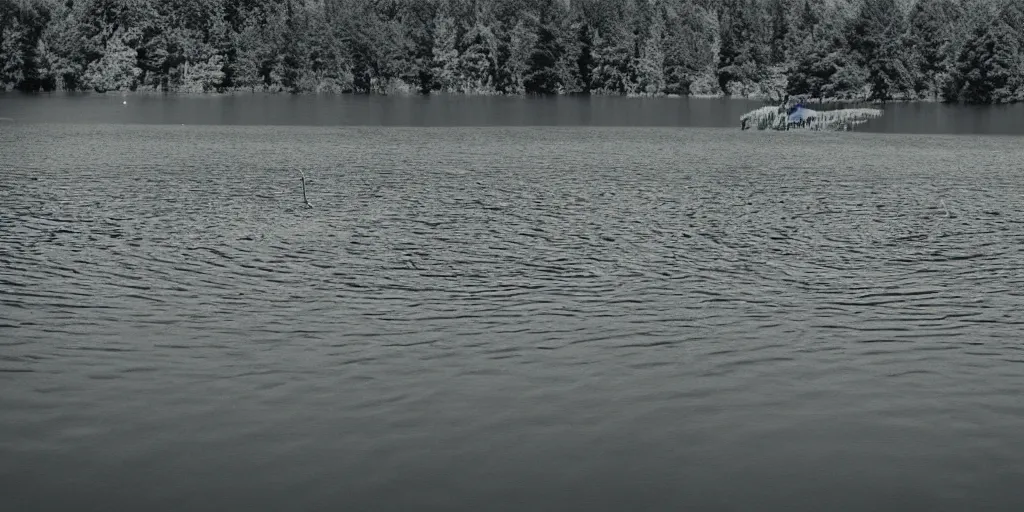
point(806, 274)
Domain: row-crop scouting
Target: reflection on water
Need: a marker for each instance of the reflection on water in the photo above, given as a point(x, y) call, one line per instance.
point(448, 110)
point(493, 318)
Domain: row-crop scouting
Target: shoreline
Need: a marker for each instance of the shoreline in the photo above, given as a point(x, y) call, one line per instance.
point(763, 98)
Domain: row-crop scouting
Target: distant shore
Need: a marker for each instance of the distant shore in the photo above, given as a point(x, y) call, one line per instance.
point(856, 51)
point(765, 98)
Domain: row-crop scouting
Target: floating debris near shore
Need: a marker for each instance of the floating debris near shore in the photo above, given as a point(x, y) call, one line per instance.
point(798, 116)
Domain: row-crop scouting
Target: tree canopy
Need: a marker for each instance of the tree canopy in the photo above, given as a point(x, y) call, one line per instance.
point(954, 50)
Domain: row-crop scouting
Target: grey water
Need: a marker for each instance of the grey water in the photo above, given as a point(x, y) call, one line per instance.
point(457, 110)
point(476, 316)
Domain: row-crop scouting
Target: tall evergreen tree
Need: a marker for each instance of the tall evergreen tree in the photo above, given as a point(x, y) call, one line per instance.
point(743, 55)
point(877, 37)
point(990, 67)
point(930, 43)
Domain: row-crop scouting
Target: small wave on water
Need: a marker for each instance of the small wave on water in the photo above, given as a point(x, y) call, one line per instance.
point(586, 297)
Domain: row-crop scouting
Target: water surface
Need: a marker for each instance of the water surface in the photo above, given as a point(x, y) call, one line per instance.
point(508, 318)
point(453, 110)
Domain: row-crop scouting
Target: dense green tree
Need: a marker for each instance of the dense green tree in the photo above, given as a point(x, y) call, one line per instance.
point(824, 67)
point(930, 42)
point(585, 58)
point(477, 59)
point(613, 46)
point(779, 12)
point(990, 66)
point(743, 54)
point(877, 38)
point(12, 53)
point(542, 76)
point(956, 50)
point(650, 63)
point(60, 62)
point(444, 69)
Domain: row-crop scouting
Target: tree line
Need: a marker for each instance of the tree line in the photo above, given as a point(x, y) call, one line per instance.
point(952, 50)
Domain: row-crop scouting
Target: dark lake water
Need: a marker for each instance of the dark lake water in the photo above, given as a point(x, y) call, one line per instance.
point(576, 317)
point(442, 111)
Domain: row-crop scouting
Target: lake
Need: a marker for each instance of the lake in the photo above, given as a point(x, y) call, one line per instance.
point(546, 307)
point(457, 110)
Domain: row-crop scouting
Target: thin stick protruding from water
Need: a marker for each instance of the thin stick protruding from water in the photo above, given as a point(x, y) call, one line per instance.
point(304, 189)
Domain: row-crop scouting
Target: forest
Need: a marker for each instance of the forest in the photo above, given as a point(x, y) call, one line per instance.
point(969, 51)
